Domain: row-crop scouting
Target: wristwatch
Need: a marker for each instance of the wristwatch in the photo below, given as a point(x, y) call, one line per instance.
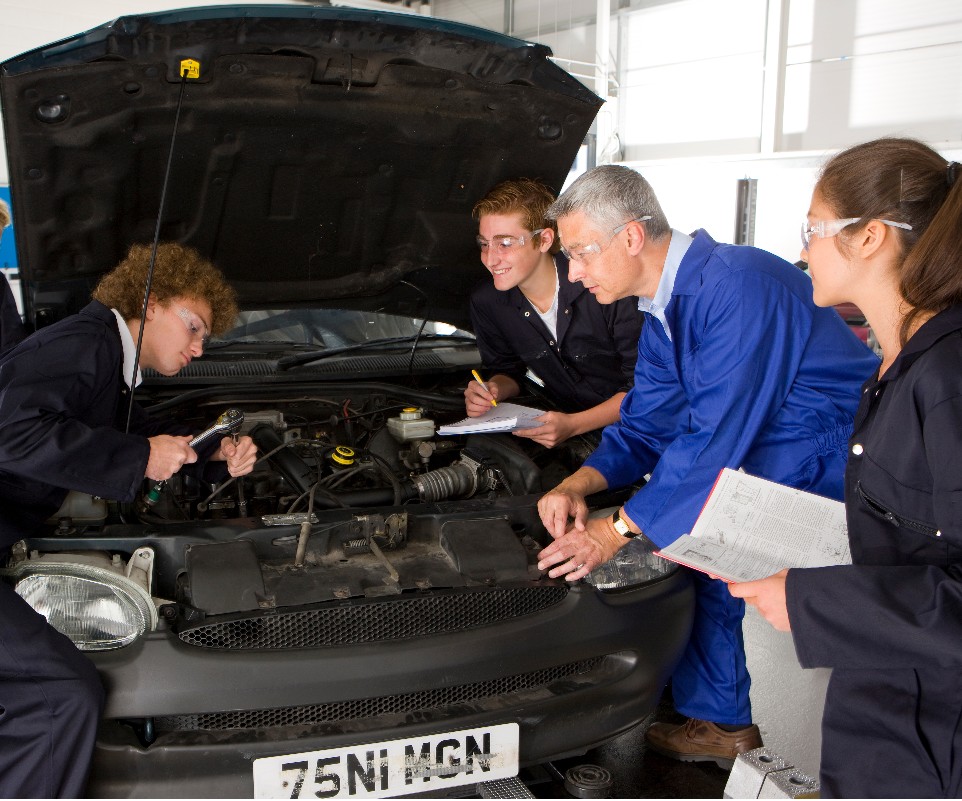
point(621, 526)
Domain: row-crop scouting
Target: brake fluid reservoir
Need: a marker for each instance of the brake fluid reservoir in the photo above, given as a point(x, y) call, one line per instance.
point(411, 425)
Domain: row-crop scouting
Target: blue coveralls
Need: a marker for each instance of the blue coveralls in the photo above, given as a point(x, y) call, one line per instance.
point(754, 376)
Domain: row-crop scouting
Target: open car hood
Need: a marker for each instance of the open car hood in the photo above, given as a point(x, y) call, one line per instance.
point(322, 156)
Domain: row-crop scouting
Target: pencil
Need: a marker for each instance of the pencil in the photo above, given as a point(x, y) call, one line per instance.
point(477, 378)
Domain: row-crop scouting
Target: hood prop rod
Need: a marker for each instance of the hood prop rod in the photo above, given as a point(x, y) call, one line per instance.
point(153, 253)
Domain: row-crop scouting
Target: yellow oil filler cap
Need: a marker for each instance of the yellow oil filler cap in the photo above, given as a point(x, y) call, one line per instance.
point(343, 456)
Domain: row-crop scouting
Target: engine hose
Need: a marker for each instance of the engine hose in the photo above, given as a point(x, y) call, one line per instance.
point(385, 470)
point(287, 463)
point(379, 496)
point(456, 481)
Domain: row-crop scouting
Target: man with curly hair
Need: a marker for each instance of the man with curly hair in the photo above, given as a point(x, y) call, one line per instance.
point(64, 399)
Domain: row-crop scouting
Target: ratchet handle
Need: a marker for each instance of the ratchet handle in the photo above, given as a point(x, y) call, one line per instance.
point(227, 423)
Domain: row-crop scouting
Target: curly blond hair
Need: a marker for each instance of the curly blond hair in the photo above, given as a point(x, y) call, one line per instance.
point(179, 271)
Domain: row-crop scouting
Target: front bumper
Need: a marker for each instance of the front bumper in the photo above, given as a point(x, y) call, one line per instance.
point(572, 676)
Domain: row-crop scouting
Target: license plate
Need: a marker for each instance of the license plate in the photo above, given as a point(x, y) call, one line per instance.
point(394, 767)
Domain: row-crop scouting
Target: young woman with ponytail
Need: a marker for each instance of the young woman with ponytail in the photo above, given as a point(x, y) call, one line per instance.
point(884, 231)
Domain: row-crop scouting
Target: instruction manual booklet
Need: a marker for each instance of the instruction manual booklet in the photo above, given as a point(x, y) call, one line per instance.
point(503, 417)
point(751, 528)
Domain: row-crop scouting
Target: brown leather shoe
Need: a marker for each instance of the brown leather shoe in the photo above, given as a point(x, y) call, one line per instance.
point(701, 741)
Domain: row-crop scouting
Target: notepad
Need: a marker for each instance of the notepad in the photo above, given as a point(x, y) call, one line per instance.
point(751, 528)
point(503, 417)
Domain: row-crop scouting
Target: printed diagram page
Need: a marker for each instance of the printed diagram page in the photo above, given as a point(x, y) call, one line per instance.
point(751, 528)
point(503, 417)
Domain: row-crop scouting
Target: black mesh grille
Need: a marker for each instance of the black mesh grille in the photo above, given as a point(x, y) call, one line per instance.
point(391, 619)
point(373, 707)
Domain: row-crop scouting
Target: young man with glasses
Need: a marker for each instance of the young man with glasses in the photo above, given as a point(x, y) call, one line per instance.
point(64, 400)
point(736, 368)
point(530, 316)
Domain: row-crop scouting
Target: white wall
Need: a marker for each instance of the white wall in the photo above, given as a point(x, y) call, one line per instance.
point(853, 70)
point(692, 90)
point(532, 19)
point(859, 69)
point(787, 701)
point(690, 73)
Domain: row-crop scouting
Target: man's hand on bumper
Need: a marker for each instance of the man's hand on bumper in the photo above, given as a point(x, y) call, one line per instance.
point(580, 550)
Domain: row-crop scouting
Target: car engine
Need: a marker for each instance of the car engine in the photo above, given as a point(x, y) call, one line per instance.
point(354, 495)
point(357, 451)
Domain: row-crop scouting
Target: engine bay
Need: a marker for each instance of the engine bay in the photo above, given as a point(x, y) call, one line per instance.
point(354, 496)
point(355, 451)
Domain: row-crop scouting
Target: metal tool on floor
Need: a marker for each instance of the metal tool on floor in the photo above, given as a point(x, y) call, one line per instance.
point(504, 788)
point(588, 781)
point(761, 773)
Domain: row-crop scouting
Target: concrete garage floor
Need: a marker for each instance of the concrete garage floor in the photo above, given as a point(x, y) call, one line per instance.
point(636, 773)
point(787, 706)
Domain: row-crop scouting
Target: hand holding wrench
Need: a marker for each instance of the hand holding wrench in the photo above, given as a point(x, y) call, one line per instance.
point(226, 423)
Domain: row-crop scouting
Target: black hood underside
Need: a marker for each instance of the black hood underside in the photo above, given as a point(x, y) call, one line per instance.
point(321, 155)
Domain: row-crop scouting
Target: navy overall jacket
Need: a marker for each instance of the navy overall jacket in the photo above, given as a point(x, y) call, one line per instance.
point(890, 624)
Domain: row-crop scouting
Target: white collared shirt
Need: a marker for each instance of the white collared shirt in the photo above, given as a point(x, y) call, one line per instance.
point(130, 350)
point(550, 317)
point(656, 306)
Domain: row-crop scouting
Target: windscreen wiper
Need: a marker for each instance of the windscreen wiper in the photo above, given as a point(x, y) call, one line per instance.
point(297, 359)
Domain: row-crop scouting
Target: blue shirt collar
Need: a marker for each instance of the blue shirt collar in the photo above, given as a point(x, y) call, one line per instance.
point(656, 306)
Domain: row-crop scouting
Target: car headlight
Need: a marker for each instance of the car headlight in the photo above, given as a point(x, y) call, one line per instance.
point(634, 564)
point(96, 608)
